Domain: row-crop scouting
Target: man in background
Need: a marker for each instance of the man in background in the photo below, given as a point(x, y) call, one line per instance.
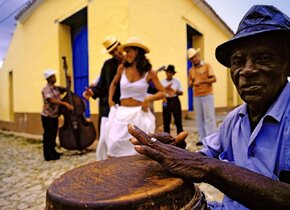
point(51, 95)
point(101, 89)
point(171, 104)
point(201, 77)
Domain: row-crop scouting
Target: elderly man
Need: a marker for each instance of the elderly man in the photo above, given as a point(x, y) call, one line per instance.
point(248, 158)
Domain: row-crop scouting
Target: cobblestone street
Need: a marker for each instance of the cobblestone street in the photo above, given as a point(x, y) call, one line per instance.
point(25, 176)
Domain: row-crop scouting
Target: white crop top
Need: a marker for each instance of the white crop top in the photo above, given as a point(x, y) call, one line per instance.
point(136, 90)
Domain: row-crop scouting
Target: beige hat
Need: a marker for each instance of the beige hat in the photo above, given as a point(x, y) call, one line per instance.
point(48, 73)
point(192, 52)
point(134, 42)
point(110, 43)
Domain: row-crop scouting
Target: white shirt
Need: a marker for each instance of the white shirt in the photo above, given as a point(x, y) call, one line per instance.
point(176, 85)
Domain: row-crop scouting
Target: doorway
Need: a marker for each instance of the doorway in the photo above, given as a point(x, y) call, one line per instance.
point(193, 41)
point(79, 37)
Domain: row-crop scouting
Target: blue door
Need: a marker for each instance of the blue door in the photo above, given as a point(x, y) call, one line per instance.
point(190, 90)
point(80, 63)
point(191, 33)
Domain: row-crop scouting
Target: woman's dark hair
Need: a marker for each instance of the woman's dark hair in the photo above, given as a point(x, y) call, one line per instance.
point(142, 63)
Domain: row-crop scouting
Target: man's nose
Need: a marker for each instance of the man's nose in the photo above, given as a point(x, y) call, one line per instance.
point(249, 68)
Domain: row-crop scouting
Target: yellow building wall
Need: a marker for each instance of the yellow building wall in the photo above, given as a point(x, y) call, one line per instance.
point(41, 41)
point(35, 47)
point(105, 18)
point(163, 29)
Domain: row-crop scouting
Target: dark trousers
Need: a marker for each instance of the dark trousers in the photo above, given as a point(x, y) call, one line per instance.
point(50, 127)
point(172, 107)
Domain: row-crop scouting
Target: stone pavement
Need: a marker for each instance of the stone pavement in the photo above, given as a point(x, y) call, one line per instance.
point(25, 176)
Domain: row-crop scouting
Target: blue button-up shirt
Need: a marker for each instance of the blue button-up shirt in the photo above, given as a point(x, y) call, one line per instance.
point(266, 150)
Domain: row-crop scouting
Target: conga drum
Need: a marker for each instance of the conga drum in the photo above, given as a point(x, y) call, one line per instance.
point(131, 182)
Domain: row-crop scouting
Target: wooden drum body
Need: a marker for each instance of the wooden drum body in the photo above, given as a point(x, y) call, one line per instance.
point(131, 182)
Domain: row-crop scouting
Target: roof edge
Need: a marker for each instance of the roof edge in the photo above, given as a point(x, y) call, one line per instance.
point(31, 5)
point(211, 13)
point(27, 10)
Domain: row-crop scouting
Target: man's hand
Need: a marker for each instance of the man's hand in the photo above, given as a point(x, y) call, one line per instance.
point(88, 93)
point(197, 82)
point(166, 138)
point(233, 180)
point(178, 161)
point(169, 90)
point(68, 106)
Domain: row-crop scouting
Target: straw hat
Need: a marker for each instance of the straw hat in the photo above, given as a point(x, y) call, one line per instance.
point(134, 42)
point(110, 43)
point(260, 19)
point(48, 73)
point(192, 52)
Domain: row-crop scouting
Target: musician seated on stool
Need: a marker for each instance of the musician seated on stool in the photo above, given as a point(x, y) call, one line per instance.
point(248, 158)
point(51, 95)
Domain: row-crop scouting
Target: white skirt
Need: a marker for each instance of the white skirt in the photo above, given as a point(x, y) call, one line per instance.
point(117, 135)
point(101, 151)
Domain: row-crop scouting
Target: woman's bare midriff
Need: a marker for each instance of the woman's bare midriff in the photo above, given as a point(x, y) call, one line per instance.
point(130, 102)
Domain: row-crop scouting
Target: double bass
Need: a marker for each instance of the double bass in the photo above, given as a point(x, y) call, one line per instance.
point(76, 133)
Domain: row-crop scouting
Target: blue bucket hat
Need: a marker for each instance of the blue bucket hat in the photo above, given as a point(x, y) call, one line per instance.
point(260, 19)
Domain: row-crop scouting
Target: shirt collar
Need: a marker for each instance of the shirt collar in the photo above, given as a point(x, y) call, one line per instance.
point(243, 110)
point(201, 63)
point(278, 107)
point(50, 85)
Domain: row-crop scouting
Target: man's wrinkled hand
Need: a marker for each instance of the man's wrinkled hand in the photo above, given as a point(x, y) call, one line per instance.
point(163, 137)
point(178, 161)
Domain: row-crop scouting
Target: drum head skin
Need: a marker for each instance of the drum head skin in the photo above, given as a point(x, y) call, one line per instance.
point(131, 182)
